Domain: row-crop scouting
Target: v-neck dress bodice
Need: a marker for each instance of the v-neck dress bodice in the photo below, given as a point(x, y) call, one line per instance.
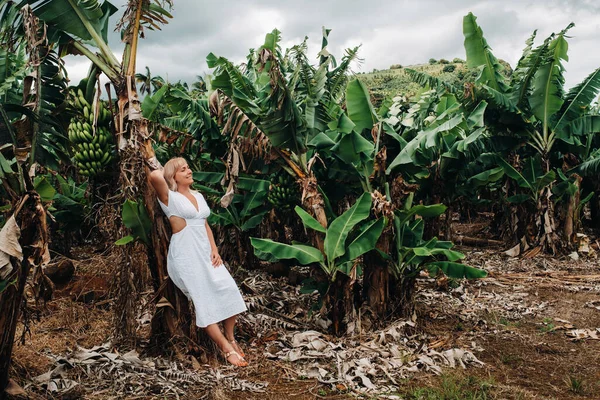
point(181, 206)
point(212, 290)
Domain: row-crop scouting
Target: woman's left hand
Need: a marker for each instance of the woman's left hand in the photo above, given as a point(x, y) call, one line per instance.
point(216, 258)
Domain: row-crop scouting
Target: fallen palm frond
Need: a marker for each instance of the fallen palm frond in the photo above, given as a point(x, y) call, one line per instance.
point(376, 364)
point(126, 375)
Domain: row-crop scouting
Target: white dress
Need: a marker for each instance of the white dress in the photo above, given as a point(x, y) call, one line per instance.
point(212, 290)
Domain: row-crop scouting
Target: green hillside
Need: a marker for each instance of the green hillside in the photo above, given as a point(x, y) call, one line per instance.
point(395, 81)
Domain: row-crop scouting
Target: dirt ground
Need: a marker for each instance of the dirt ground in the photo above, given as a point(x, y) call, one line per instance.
point(519, 322)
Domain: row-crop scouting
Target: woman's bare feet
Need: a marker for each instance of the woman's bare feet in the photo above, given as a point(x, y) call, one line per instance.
point(237, 347)
point(233, 357)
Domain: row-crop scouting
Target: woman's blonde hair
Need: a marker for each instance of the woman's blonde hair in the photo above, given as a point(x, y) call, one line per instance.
point(171, 167)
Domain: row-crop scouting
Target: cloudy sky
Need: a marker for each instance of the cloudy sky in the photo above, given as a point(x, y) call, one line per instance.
point(389, 31)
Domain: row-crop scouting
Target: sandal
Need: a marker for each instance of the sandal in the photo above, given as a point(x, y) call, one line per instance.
point(240, 359)
point(239, 350)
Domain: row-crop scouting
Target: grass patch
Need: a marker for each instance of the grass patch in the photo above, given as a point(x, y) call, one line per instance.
point(575, 384)
point(454, 388)
point(511, 359)
point(547, 326)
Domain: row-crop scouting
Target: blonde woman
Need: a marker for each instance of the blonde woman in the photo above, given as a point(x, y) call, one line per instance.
point(193, 263)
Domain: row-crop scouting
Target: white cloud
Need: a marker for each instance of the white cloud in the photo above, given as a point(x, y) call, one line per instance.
point(390, 32)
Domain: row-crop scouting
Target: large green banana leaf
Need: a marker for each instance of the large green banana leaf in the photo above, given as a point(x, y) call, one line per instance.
point(314, 114)
point(590, 167)
point(578, 100)
point(208, 177)
point(309, 221)
point(588, 124)
point(456, 270)
point(522, 64)
point(232, 82)
point(86, 20)
point(253, 221)
point(486, 177)
point(514, 174)
point(137, 220)
point(366, 240)
point(547, 87)
point(253, 184)
point(479, 54)
point(337, 232)
point(425, 139)
point(532, 178)
point(424, 211)
point(151, 103)
point(525, 71)
point(44, 188)
point(451, 255)
point(358, 104)
point(351, 146)
point(252, 200)
point(338, 78)
point(303, 254)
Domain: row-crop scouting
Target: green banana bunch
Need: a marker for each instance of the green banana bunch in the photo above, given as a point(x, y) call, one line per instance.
point(283, 193)
point(93, 149)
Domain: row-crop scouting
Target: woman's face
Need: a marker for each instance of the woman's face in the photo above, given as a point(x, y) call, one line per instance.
point(183, 176)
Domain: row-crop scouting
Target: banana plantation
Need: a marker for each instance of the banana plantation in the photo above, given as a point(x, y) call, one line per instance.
point(424, 237)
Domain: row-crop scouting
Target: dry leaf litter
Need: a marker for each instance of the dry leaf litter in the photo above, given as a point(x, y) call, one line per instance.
point(105, 370)
point(367, 364)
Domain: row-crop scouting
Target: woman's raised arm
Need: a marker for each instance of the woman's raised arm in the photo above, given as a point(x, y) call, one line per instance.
point(159, 184)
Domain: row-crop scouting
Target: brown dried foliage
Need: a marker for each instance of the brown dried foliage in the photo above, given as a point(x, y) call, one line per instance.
point(246, 138)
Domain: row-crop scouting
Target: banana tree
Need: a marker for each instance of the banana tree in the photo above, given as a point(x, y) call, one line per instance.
point(534, 100)
point(186, 127)
point(435, 151)
point(82, 29)
point(24, 141)
point(529, 109)
point(443, 146)
point(149, 83)
point(347, 238)
point(431, 148)
point(69, 208)
point(413, 254)
point(276, 106)
point(355, 154)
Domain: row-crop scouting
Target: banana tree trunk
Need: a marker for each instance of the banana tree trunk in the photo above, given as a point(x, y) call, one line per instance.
point(31, 219)
point(312, 201)
point(340, 303)
point(376, 281)
point(547, 237)
point(572, 218)
point(377, 278)
point(134, 150)
point(403, 297)
point(135, 153)
point(545, 221)
point(172, 316)
point(448, 223)
point(433, 225)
